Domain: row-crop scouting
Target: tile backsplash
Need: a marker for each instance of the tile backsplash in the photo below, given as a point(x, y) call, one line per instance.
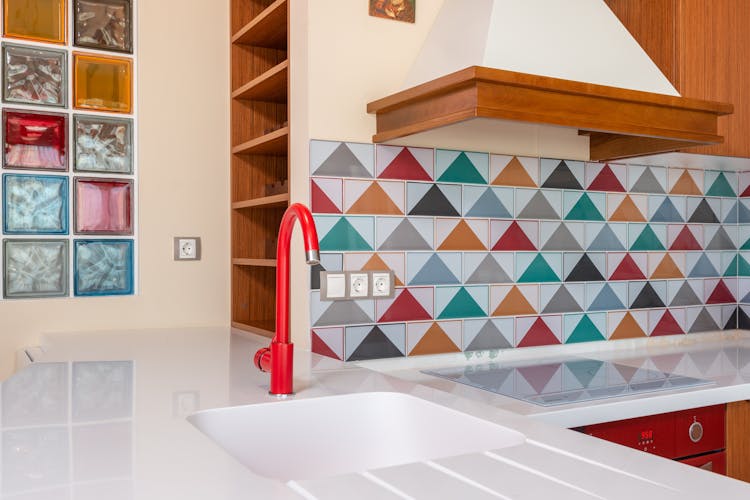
point(495, 251)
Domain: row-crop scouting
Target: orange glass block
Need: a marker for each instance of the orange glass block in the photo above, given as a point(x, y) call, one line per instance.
point(102, 83)
point(41, 20)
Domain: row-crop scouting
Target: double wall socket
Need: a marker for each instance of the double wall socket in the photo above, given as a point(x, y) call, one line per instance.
point(355, 285)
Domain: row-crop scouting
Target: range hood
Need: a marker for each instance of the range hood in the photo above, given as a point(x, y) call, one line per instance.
point(550, 62)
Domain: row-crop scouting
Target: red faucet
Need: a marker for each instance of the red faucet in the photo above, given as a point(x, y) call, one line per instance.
point(279, 357)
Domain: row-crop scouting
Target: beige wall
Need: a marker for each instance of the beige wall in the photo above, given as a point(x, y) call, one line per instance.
point(183, 186)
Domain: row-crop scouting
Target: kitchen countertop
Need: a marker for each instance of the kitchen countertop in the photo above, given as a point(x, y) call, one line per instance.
point(102, 415)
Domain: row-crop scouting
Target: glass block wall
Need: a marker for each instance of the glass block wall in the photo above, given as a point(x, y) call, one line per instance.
point(495, 251)
point(69, 206)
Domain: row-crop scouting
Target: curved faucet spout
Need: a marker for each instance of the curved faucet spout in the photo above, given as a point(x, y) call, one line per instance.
point(278, 358)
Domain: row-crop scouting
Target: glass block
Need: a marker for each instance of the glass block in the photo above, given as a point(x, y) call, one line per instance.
point(103, 206)
point(35, 140)
point(103, 144)
point(34, 76)
point(104, 24)
point(35, 268)
point(35, 204)
point(39, 20)
point(103, 267)
point(102, 83)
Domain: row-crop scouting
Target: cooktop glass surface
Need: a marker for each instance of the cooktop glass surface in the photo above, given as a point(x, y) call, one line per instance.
point(566, 382)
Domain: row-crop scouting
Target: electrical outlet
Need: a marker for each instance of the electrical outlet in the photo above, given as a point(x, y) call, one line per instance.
point(358, 285)
point(332, 285)
point(187, 248)
point(382, 283)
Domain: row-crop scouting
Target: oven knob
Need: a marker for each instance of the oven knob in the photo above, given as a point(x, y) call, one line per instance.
point(695, 431)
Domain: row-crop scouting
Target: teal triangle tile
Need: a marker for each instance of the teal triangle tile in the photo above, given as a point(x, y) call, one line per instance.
point(703, 268)
point(405, 237)
point(539, 271)
point(462, 305)
point(462, 170)
point(562, 301)
point(585, 331)
point(647, 239)
point(721, 187)
point(647, 183)
point(667, 212)
point(606, 299)
point(584, 371)
point(606, 240)
point(435, 202)
point(488, 271)
point(721, 241)
point(435, 272)
point(343, 312)
point(488, 337)
point(704, 213)
point(646, 298)
point(585, 270)
point(538, 207)
point(342, 162)
point(562, 178)
point(703, 323)
point(344, 237)
point(585, 209)
point(562, 239)
point(376, 345)
point(743, 213)
point(685, 296)
point(489, 205)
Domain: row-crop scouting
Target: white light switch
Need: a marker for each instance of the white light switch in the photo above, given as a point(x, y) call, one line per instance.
point(335, 285)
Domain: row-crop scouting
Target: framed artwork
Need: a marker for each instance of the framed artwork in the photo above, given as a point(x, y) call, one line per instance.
point(103, 267)
point(35, 204)
point(104, 24)
point(102, 83)
point(398, 10)
point(35, 20)
point(103, 206)
point(102, 144)
point(35, 268)
point(34, 76)
point(35, 140)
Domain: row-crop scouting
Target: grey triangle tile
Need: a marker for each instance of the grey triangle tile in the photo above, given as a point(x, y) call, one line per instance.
point(743, 213)
point(606, 240)
point(562, 301)
point(405, 237)
point(434, 272)
point(489, 271)
point(647, 183)
point(489, 337)
point(342, 163)
point(606, 300)
point(489, 205)
point(685, 296)
point(343, 312)
point(703, 323)
point(538, 208)
point(703, 268)
point(667, 212)
point(562, 239)
point(721, 241)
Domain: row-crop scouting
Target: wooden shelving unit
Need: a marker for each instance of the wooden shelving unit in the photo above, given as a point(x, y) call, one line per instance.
point(260, 150)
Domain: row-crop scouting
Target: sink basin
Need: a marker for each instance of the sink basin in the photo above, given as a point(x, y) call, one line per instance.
point(320, 437)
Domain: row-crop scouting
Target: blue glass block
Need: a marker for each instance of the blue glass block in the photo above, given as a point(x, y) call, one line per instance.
point(103, 267)
point(35, 268)
point(35, 204)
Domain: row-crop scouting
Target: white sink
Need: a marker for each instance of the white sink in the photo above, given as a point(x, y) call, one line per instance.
point(314, 438)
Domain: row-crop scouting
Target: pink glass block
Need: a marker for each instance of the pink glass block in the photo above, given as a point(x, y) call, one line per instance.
point(35, 140)
point(103, 206)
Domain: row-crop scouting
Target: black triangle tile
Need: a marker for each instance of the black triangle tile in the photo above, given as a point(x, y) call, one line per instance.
point(375, 346)
point(434, 203)
point(315, 276)
point(585, 270)
point(743, 320)
point(647, 298)
point(731, 323)
point(562, 178)
point(703, 213)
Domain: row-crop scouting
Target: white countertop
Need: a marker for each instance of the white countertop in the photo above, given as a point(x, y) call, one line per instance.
point(103, 416)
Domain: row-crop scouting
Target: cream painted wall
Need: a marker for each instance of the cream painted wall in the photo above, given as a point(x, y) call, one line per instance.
point(183, 87)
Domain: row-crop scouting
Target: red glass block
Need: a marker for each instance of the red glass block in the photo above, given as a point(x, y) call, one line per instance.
point(35, 140)
point(103, 206)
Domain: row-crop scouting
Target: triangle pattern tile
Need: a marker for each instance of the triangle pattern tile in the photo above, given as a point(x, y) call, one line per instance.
point(721, 241)
point(667, 325)
point(462, 170)
point(667, 269)
point(343, 312)
point(514, 174)
point(627, 329)
point(562, 301)
point(374, 200)
point(462, 237)
point(703, 268)
point(743, 320)
point(685, 241)
point(704, 322)
point(647, 183)
point(743, 213)
point(489, 337)
point(731, 322)
point(376, 263)
point(647, 240)
point(732, 216)
point(585, 331)
point(606, 240)
point(538, 208)
point(320, 346)
point(742, 266)
point(462, 305)
point(342, 162)
point(667, 212)
point(405, 307)
point(721, 294)
point(434, 203)
point(562, 239)
point(606, 180)
point(489, 205)
point(488, 271)
point(584, 209)
point(704, 213)
point(538, 335)
point(746, 245)
point(627, 211)
point(685, 296)
point(405, 237)
point(514, 304)
point(320, 202)
point(343, 236)
point(375, 345)
point(514, 238)
point(721, 187)
point(435, 272)
point(539, 271)
point(562, 178)
point(434, 341)
point(646, 298)
point(606, 300)
point(405, 166)
point(627, 269)
point(585, 270)
point(685, 185)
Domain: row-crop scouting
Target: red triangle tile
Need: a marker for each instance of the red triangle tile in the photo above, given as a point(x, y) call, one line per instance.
point(721, 295)
point(539, 334)
point(606, 181)
point(321, 203)
point(514, 239)
point(627, 270)
point(746, 192)
point(667, 325)
point(405, 167)
point(405, 308)
point(685, 241)
point(320, 347)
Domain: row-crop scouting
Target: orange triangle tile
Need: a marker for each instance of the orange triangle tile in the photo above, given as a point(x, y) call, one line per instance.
point(434, 341)
point(627, 329)
point(514, 175)
point(378, 264)
point(685, 185)
point(667, 269)
point(627, 212)
point(462, 238)
point(514, 304)
point(374, 201)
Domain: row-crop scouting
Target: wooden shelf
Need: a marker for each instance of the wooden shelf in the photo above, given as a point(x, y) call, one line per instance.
point(267, 29)
point(271, 86)
point(273, 143)
point(277, 200)
point(254, 262)
point(264, 328)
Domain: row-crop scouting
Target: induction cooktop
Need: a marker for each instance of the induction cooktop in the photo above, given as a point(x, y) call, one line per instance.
point(566, 382)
